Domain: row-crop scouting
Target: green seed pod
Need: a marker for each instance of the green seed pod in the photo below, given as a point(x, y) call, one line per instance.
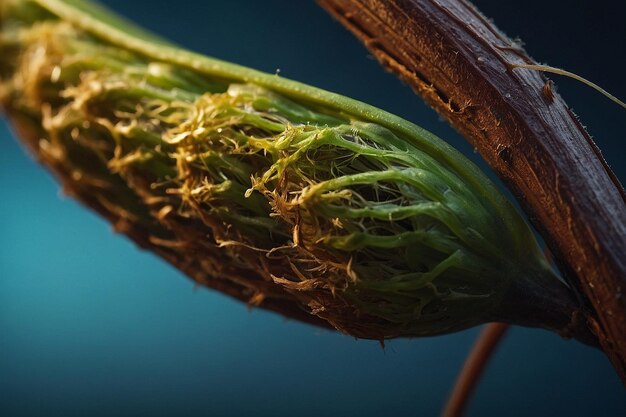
point(275, 192)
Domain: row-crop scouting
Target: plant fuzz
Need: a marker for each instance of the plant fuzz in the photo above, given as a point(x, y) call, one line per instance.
point(282, 195)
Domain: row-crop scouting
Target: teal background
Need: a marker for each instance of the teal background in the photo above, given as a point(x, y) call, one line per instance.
point(92, 326)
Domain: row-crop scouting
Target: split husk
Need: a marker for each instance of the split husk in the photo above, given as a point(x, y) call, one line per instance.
point(282, 195)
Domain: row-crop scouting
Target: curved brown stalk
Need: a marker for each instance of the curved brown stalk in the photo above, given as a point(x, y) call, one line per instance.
point(473, 368)
point(462, 65)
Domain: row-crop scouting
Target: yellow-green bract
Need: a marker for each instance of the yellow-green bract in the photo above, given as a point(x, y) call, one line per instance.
point(265, 188)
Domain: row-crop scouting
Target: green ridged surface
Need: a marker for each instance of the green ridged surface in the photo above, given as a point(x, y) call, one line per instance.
point(287, 191)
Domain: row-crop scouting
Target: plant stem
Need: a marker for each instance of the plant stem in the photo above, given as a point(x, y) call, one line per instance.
point(473, 368)
point(461, 64)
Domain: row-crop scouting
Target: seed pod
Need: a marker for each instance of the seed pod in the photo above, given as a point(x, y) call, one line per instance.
point(283, 195)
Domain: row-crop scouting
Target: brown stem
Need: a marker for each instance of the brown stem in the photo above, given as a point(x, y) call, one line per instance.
point(461, 64)
point(473, 368)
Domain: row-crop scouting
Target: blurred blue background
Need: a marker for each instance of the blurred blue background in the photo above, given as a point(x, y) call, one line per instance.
point(91, 326)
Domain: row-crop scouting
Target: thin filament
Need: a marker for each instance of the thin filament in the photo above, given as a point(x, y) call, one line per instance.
point(553, 70)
